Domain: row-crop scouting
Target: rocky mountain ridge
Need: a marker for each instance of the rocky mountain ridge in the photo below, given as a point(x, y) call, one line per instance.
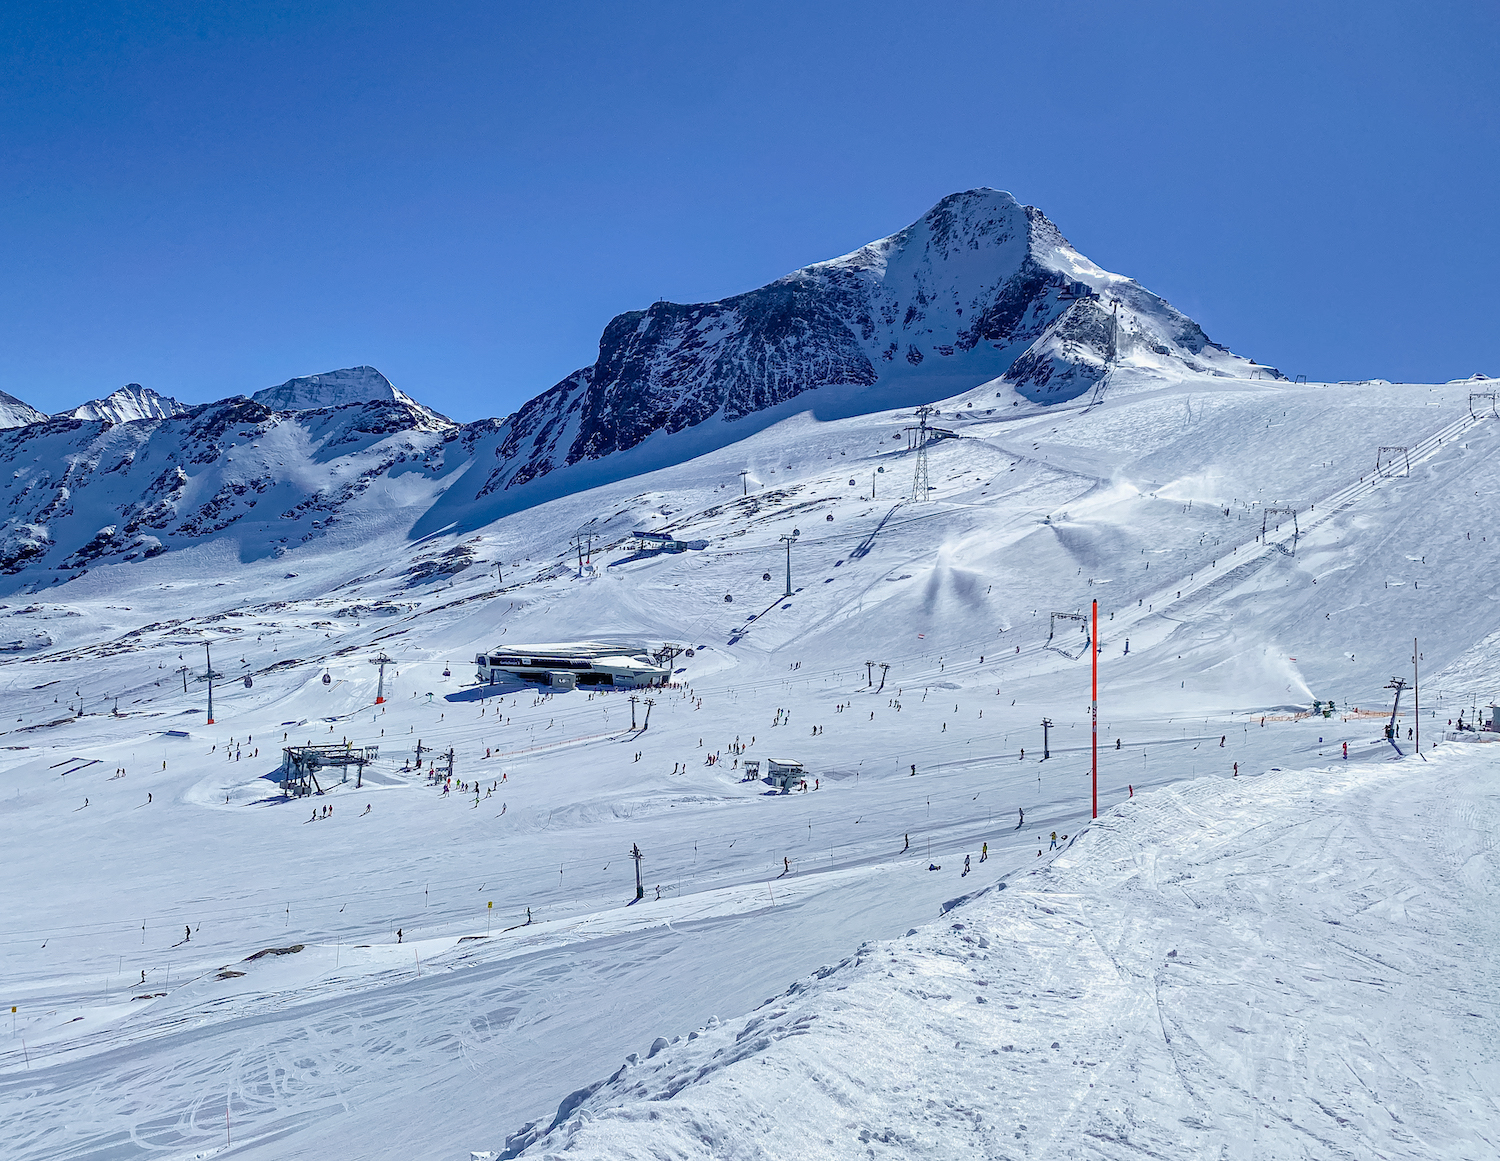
point(980, 290)
point(129, 403)
point(980, 287)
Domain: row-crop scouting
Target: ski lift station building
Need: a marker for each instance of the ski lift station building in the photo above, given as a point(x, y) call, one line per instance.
point(571, 665)
point(784, 773)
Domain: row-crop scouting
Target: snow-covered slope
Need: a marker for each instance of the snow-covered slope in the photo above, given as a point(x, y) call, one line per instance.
point(1206, 971)
point(130, 402)
point(980, 287)
point(14, 413)
point(83, 492)
point(917, 635)
point(978, 284)
point(334, 389)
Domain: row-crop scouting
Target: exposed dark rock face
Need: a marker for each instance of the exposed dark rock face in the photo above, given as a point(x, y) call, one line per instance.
point(979, 288)
point(979, 280)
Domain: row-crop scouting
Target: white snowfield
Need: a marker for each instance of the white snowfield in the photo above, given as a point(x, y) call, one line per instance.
point(1295, 965)
point(201, 967)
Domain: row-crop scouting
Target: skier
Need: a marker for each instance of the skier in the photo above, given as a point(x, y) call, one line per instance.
point(1053, 847)
point(1236, 769)
point(399, 934)
point(984, 852)
point(907, 845)
point(1346, 751)
point(966, 866)
point(1131, 789)
point(148, 798)
point(187, 933)
point(786, 864)
point(1221, 740)
point(914, 770)
point(1022, 813)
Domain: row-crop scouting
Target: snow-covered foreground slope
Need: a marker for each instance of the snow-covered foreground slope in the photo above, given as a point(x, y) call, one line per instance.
point(128, 818)
point(1294, 965)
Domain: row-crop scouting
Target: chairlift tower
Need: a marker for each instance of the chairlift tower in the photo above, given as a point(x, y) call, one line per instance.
point(1046, 731)
point(920, 487)
point(1398, 684)
point(789, 541)
point(209, 661)
point(382, 661)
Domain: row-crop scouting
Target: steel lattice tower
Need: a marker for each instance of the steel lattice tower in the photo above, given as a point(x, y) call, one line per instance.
point(919, 485)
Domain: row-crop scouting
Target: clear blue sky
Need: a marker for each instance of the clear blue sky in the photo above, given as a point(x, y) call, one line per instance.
point(211, 198)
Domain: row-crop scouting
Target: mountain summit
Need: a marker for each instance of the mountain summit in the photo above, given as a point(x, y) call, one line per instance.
point(333, 389)
point(130, 402)
point(979, 287)
point(14, 413)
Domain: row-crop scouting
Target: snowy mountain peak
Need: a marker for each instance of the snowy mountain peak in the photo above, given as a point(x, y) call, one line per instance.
point(980, 287)
point(333, 389)
point(14, 413)
point(130, 402)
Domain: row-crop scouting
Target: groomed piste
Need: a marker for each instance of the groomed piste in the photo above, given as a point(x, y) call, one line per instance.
point(1294, 965)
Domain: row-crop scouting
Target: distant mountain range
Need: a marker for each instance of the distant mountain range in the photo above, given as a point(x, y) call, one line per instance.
point(980, 290)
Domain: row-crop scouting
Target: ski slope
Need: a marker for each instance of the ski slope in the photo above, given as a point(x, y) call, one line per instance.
point(1287, 967)
point(129, 1040)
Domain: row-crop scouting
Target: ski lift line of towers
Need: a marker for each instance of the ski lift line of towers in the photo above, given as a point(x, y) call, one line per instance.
point(1386, 459)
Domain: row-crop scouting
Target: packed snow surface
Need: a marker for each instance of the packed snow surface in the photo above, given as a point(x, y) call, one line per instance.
point(1294, 965)
point(196, 959)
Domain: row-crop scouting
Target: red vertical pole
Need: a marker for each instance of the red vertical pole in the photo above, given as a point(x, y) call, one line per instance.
point(1094, 704)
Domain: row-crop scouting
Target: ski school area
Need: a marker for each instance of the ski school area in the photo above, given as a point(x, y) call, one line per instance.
point(264, 933)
